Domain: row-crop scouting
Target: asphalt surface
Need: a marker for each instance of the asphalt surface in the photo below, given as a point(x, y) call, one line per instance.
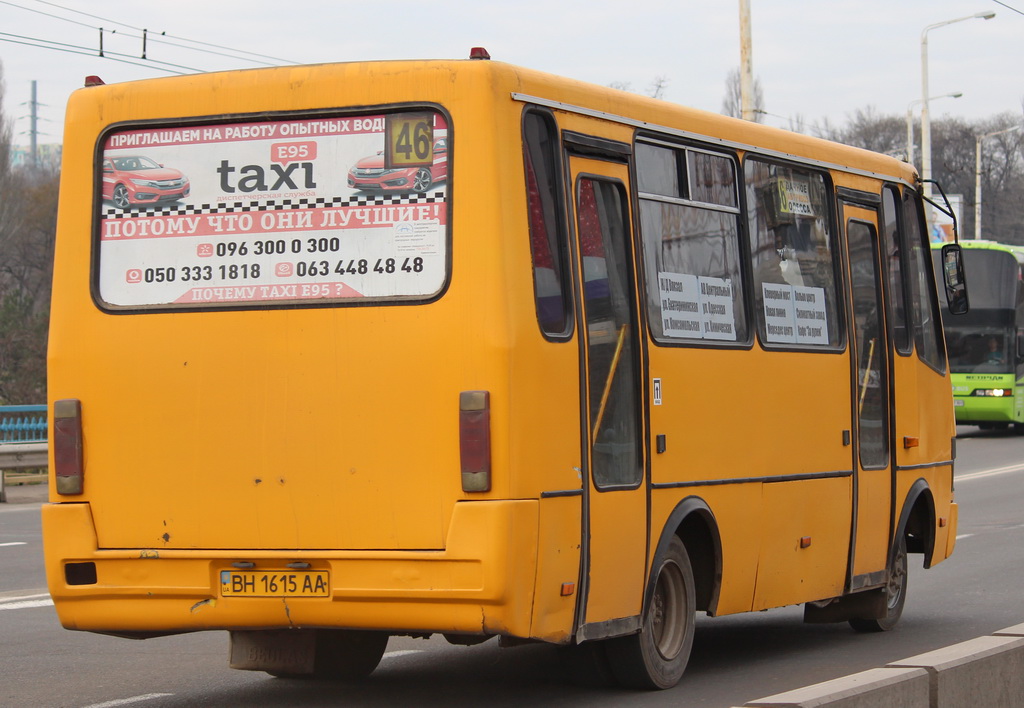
point(26, 493)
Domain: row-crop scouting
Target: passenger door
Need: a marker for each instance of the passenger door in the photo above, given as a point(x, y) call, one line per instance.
point(612, 426)
point(869, 351)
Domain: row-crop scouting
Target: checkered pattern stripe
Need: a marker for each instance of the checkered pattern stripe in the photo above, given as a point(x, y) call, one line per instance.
point(361, 200)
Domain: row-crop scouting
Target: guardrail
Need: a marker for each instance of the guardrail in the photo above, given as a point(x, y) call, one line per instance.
point(23, 440)
point(20, 456)
point(22, 424)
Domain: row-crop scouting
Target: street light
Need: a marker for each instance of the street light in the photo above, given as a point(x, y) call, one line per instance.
point(910, 121)
point(926, 128)
point(977, 178)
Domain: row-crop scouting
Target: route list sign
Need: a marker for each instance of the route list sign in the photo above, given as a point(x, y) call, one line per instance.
point(271, 212)
point(696, 306)
point(794, 314)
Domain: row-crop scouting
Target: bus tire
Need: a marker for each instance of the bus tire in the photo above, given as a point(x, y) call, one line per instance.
point(656, 657)
point(895, 594)
point(348, 655)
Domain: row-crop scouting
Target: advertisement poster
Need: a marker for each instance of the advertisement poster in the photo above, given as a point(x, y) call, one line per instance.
point(289, 211)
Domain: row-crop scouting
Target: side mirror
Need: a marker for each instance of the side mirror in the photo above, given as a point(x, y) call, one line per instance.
point(954, 279)
point(1020, 345)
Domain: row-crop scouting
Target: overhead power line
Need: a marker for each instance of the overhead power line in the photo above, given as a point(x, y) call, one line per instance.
point(1008, 7)
point(108, 21)
point(78, 49)
point(73, 49)
point(145, 36)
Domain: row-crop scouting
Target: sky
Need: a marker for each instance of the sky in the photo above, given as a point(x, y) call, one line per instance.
point(816, 60)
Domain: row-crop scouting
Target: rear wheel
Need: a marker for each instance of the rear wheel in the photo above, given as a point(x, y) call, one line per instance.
point(657, 656)
point(348, 654)
point(895, 594)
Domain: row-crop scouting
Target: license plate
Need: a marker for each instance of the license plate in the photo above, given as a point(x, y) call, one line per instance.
point(274, 583)
point(957, 402)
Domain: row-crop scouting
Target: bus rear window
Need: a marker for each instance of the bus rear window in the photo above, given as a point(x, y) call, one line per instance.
point(298, 210)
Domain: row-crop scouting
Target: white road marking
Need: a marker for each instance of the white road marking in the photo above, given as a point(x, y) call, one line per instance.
point(23, 602)
point(401, 652)
point(994, 472)
point(13, 543)
point(128, 701)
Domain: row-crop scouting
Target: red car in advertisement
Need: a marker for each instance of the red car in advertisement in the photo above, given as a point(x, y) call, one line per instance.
point(370, 174)
point(134, 180)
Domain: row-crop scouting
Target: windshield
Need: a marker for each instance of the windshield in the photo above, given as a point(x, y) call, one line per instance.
point(979, 349)
point(135, 163)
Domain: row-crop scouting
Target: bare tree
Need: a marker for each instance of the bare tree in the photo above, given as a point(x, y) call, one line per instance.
point(28, 212)
point(869, 130)
point(655, 90)
point(1002, 173)
point(732, 104)
point(954, 151)
point(657, 87)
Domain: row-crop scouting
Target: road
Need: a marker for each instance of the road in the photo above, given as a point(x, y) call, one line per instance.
point(735, 659)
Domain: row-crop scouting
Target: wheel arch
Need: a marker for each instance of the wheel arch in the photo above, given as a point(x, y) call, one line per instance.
point(694, 523)
point(917, 521)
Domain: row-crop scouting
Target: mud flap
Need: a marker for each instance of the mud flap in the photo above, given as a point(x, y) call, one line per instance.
point(277, 651)
point(870, 604)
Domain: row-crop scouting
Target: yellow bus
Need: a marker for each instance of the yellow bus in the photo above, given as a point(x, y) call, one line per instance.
point(346, 351)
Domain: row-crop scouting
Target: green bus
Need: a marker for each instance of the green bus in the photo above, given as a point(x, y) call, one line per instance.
point(986, 345)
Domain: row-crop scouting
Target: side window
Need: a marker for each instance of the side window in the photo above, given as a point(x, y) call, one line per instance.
point(793, 251)
point(893, 256)
point(547, 242)
point(924, 310)
point(689, 227)
point(869, 343)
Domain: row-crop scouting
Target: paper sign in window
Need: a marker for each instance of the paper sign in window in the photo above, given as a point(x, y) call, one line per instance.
point(794, 314)
point(696, 307)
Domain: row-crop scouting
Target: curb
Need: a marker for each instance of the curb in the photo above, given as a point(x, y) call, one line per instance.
point(952, 677)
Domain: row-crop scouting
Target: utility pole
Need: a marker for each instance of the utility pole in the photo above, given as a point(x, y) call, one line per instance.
point(34, 127)
point(746, 64)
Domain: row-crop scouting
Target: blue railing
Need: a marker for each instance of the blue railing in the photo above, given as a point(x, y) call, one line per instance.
point(23, 424)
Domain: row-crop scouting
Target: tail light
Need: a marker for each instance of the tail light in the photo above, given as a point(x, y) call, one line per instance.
point(67, 445)
point(475, 440)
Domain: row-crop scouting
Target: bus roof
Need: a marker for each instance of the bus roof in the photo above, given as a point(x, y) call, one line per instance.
point(529, 85)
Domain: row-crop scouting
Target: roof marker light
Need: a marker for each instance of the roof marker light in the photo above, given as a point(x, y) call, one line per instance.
point(479, 53)
point(93, 80)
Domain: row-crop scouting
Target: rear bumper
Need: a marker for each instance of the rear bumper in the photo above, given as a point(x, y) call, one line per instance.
point(481, 583)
